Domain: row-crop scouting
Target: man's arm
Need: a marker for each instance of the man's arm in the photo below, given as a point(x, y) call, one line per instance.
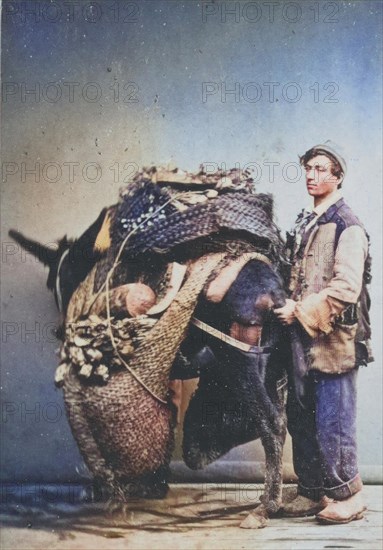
point(317, 311)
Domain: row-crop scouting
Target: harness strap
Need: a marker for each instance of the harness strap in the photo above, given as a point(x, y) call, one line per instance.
point(229, 339)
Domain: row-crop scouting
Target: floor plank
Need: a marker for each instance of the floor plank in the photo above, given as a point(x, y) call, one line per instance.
point(192, 517)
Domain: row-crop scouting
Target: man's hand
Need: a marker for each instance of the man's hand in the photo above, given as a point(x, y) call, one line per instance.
point(286, 314)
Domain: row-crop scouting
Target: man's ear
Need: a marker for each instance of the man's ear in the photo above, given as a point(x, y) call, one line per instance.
point(340, 181)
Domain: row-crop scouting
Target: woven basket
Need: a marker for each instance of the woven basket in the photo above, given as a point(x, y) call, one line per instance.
point(125, 429)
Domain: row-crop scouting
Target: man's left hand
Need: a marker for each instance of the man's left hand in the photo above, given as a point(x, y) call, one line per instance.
point(286, 314)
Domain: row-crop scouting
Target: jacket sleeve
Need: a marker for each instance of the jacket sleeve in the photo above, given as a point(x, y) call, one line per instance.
point(316, 312)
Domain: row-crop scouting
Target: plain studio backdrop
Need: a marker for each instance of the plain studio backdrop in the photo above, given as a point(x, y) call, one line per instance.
point(92, 91)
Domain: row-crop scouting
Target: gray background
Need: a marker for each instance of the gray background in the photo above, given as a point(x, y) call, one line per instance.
point(159, 55)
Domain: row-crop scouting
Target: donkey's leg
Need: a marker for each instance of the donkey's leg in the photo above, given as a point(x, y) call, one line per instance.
point(273, 439)
point(273, 445)
point(272, 497)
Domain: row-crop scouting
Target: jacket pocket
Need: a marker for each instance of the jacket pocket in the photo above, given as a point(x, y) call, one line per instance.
point(335, 352)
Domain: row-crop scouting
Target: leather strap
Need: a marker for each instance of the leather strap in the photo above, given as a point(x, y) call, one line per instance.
point(229, 339)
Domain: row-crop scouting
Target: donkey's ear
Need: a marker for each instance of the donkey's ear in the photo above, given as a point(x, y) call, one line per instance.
point(46, 255)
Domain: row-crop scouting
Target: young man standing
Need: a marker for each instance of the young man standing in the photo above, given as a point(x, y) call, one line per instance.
point(330, 267)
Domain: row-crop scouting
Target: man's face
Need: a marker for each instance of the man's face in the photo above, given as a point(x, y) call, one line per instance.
point(320, 181)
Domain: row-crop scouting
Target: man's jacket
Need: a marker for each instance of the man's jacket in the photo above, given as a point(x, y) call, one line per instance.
point(328, 281)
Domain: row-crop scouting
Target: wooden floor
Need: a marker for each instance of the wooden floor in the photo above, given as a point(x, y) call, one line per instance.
point(200, 517)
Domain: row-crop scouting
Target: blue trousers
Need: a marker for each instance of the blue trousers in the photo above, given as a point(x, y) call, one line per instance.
point(324, 436)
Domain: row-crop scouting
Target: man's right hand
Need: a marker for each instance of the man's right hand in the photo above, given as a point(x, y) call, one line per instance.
point(286, 314)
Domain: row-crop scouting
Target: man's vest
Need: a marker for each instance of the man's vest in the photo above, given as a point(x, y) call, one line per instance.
point(342, 215)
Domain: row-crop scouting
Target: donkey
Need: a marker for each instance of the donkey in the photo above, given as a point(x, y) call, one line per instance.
point(234, 344)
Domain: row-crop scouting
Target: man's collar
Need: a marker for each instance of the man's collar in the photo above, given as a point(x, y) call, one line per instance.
point(325, 205)
point(323, 212)
point(331, 211)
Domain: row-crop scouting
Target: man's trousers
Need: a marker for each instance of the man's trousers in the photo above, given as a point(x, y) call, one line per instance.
point(324, 436)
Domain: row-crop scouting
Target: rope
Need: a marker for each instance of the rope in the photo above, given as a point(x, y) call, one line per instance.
point(58, 289)
point(107, 295)
point(108, 317)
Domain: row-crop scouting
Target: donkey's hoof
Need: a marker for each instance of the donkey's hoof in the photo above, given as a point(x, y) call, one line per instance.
point(254, 521)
